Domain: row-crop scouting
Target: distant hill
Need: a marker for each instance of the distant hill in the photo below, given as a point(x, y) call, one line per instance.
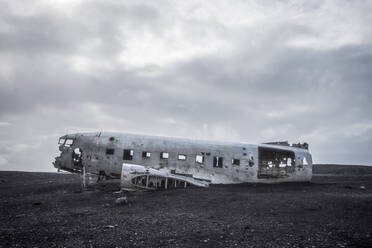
point(341, 169)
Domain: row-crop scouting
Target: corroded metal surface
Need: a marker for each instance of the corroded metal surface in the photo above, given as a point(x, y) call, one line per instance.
point(104, 153)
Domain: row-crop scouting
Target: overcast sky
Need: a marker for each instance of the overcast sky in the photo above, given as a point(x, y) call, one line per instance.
point(252, 71)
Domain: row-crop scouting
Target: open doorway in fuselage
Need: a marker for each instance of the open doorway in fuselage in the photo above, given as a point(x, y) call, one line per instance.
point(275, 163)
point(77, 157)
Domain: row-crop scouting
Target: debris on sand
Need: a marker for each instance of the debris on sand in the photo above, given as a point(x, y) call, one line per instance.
point(110, 226)
point(121, 200)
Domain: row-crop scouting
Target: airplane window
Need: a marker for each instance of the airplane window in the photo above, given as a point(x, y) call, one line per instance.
point(164, 155)
point(181, 157)
point(61, 141)
point(235, 161)
point(110, 151)
point(69, 142)
point(217, 162)
point(304, 161)
point(199, 159)
point(146, 154)
point(128, 154)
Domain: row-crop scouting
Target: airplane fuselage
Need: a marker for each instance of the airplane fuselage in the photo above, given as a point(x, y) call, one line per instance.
point(215, 162)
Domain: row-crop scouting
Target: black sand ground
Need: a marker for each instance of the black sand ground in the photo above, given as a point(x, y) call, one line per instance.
point(48, 210)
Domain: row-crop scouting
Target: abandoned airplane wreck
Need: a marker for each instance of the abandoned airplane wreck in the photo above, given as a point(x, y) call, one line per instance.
point(145, 162)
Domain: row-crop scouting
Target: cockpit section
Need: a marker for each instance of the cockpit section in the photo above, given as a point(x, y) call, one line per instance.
point(70, 158)
point(65, 142)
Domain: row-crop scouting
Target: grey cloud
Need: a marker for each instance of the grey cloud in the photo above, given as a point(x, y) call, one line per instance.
point(51, 32)
point(258, 89)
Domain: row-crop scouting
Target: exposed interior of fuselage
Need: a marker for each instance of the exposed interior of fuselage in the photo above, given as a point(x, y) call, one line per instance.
point(275, 163)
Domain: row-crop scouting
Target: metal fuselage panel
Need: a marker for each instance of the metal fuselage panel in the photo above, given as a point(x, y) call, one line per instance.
point(104, 153)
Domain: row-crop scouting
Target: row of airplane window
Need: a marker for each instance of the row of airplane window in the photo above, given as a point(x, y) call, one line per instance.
point(217, 161)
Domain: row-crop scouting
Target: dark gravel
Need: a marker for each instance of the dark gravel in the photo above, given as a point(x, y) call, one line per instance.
point(49, 210)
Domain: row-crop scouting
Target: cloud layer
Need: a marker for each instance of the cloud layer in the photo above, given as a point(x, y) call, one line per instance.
point(253, 71)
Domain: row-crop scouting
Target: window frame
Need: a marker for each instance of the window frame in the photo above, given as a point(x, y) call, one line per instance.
point(234, 160)
point(182, 155)
point(199, 156)
point(68, 143)
point(217, 162)
point(146, 154)
point(108, 151)
point(162, 155)
point(131, 154)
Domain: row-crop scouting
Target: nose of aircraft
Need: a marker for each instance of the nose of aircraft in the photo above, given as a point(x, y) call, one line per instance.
point(63, 161)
